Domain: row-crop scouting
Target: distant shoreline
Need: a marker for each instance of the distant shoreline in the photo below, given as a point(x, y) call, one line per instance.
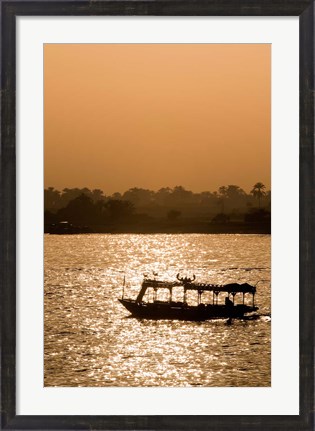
point(201, 228)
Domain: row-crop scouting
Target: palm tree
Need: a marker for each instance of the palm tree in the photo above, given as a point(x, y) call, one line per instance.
point(258, 191)
point(139, 197)
point(97, 195)
point(223, 194)
point(51, 199)
point(163, 196)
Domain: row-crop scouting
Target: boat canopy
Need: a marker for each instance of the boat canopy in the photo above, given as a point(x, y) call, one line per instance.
point(160, 284)
point(228, 288)
point(232, 288)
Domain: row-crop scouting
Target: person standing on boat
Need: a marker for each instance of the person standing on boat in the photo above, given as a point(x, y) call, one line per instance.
point(228, 302)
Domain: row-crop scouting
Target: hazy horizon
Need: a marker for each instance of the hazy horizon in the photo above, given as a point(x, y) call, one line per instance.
point(119, 116)
point(211, 190)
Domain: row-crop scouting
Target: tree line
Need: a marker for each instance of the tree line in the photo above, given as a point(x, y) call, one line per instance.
point(92, 207)
point(225, 199)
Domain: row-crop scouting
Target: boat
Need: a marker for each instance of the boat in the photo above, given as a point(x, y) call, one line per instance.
point(181, 310)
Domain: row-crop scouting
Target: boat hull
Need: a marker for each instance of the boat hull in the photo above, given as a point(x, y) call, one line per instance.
point(181, 311)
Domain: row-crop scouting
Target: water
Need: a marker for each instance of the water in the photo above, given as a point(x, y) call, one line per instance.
point(90, 340)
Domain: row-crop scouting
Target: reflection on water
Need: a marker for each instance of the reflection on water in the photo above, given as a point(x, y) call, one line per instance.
point(91, 341)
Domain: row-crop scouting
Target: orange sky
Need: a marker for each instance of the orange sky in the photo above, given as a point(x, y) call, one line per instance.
point(152, 116)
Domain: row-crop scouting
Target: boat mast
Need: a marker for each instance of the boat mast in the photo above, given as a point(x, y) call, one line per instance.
point(123, 288)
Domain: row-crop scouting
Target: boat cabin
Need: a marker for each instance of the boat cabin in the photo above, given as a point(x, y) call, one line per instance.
point(187, 286)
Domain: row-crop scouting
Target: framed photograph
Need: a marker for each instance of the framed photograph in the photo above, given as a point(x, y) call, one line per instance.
point(157, 216)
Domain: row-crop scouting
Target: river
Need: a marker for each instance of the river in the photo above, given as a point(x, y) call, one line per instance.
point(90, 340)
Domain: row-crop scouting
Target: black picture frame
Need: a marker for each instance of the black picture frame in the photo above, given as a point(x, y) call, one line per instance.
point(304, 9)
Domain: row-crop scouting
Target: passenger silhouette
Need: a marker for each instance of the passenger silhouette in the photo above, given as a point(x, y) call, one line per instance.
point(228, 302)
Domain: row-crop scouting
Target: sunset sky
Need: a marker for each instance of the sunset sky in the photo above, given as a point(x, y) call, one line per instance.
point(118, 116)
